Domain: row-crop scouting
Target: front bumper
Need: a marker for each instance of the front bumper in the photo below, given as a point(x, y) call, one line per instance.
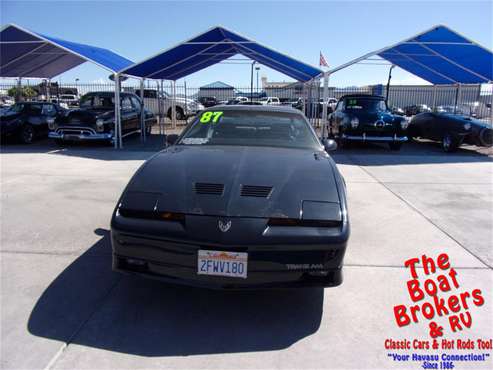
point(82, 136)
point(311, 264)
point(372, 138)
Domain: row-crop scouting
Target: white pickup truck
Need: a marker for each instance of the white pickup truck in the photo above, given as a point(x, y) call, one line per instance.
point(184, 107)
point(270, 100)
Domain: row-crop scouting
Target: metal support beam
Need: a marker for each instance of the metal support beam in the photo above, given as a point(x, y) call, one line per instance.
point(325, 104)
point(173, 104)
point(118, 122)
point(142, 112)
point(434, 97)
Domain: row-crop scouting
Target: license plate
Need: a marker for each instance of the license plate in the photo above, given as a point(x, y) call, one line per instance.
point(220, 263)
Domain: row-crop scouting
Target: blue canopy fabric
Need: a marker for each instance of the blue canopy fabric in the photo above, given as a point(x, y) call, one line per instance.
point(26, 54)
point(440, 56)
point(212, 47)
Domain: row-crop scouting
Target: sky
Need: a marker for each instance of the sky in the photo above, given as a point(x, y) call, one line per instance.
point(341, 30)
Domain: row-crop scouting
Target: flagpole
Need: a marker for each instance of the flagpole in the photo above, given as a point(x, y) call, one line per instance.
point(325, 99)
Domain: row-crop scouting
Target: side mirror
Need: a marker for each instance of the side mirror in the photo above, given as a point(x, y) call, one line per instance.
point(171, 139)
point(329, 145)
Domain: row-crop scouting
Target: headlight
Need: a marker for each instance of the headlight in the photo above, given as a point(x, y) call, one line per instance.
point(99, 125)
point(354, 122)
point(467, 126)
point(51, 123)
point(404, 124)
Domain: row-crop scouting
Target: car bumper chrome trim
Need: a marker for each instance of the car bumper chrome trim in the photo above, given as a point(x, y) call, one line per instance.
point(81, 137)
point(365, 137)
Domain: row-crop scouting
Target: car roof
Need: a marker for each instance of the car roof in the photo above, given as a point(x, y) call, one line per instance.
point(255, 108)
point(368, 96)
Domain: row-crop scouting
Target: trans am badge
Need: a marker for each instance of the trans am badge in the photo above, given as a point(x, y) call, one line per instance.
point(224, 226)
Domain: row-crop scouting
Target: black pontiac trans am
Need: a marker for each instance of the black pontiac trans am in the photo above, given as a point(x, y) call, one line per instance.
point(246, 197)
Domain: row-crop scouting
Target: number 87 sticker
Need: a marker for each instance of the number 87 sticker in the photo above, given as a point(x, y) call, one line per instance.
point(208, 116)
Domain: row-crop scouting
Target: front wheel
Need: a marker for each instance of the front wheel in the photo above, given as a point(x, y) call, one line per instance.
point(449, 143)
point(395, 146)
point(26, 134)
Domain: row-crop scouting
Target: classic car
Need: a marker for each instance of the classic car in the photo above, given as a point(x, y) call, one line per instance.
point(217, 209)
point(208, 101)
point(412, 110)
point(95, 119)
point(367, 118)
point(451, 129)
point(28, 120)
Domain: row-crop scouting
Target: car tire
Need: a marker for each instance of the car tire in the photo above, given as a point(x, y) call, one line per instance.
point(343, 143)
point(180, 115)
point(148, 130)
point(449, 143)
point(395, 146)
point(26, 134)
point(59, 142)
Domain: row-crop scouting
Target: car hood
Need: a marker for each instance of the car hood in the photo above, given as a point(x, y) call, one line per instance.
point(166, 182)
point(371, 117)
point(9, 115)
point(82, 116)
point(466, 119)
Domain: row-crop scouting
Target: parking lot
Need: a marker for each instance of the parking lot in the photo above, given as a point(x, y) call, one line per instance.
point(63, 307)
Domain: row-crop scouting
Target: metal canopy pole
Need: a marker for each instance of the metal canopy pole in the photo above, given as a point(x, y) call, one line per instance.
point(142, 112)
point(18, 93)
point(325, 103)
point(118, 123)
point(434, 97)
point(173, 104)
point(48, 90)
point(457, 92)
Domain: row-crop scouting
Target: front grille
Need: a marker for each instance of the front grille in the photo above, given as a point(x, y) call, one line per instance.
point(208, 189)
point(255, 191)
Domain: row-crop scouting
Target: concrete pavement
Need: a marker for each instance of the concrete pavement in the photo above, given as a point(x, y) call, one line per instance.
point(63, 308)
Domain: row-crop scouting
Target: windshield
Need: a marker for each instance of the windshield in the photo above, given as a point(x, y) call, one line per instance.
point(96, 101)
point(369, 105)
point(250, 128)
point(67, 97)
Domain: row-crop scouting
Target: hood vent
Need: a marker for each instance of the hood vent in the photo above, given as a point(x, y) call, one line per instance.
point(255, 191)
point(208, 189)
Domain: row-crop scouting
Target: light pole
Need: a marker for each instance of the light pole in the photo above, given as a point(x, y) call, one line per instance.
point(257, 69)
point(251, 80)
point(388, 84)
point(76, 88)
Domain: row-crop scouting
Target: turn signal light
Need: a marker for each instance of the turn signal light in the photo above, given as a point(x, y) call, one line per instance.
point(302, 223)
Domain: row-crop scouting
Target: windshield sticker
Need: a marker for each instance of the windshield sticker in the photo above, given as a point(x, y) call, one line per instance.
point(195, 140)
point(208, 116)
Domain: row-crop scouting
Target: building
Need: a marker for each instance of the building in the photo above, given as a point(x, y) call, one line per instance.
point(218, 89)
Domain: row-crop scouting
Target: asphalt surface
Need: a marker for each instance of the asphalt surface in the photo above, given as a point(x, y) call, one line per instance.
point(62, 307)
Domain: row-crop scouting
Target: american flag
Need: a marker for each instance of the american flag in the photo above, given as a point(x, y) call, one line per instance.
point(323, 62)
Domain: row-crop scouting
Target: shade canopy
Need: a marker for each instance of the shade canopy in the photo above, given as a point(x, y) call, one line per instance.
point(27, 54)
point(440, 56)
point(214, 46)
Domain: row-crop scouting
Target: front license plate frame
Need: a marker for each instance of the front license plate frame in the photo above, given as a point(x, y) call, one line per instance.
point(222, 263)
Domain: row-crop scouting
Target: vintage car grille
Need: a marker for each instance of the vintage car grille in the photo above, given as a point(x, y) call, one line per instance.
point(75, 131)
point(208, 188)
point(255, 191)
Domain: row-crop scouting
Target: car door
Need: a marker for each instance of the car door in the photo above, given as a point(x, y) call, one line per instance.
point(129, 115)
